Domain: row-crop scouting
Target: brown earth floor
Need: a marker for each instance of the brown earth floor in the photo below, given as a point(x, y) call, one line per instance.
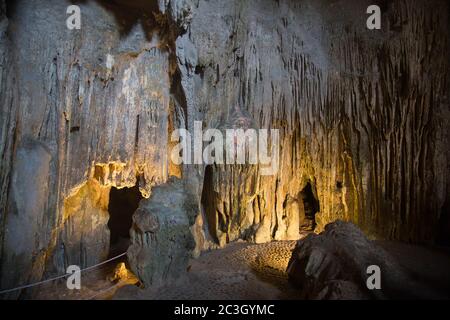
point(239, 271)
point(251, 271)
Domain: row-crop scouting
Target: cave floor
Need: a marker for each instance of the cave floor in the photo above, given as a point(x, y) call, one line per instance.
point(95, 285)
point(257, 271)
point(250, 271)
point(238, 271)
point(427, 266)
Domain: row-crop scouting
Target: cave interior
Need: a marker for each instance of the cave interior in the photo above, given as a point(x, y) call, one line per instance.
point(87, 175)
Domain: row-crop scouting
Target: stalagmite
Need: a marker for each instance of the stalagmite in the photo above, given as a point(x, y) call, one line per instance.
point(349, 123)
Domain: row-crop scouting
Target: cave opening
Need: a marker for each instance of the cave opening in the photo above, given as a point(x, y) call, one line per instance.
point(122, 205)
point(310, 207)
point(207, 202)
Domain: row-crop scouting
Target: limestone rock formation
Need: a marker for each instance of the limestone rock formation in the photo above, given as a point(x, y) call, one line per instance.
point(358, 112)
point(362, 116)
point(334, 264)
point(161, 239)
point(97, 100)
point(23, 237)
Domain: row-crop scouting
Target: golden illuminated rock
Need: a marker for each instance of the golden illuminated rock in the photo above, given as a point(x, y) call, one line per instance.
point(123, 275)
point(362, 116)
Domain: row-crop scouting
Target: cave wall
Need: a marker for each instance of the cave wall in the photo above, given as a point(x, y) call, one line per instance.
point(362, 112)
point(97, 101)
point(7, 117)
point(362, 115)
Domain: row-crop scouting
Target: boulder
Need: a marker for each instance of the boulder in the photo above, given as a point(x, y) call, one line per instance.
point(334, 265)
point(161, 239)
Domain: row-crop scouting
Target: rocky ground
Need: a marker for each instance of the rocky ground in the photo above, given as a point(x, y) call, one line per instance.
point(252, 271)
point(362, 118)
point(249, 271)
point(98, 284)
point(342, 263)
point(239, 271)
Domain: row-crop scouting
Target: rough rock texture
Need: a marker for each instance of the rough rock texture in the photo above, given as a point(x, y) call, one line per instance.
point(362, 116)
point(240, 271)
point(23, 238)
point(97, 99)
point(161, 240)
point(333, 265)
point(85, 214)
point(7, 117)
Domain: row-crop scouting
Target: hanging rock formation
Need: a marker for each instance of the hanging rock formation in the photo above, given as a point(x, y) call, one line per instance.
point(97, 100)
point(362, 116)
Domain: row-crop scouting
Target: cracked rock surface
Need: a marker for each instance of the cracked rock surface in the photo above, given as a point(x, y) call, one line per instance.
point(363, 118)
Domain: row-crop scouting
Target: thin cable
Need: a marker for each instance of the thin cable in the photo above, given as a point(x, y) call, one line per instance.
point(101, 263)
point(61, 276)
point(33, 284)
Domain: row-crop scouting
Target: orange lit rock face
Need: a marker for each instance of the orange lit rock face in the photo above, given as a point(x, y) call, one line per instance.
point(84, 226)
point(98, 101)
point(358, 122)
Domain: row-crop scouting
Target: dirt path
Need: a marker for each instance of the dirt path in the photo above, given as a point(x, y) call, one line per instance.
point(249, 271)
point(239, 271)
point(97, 284)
